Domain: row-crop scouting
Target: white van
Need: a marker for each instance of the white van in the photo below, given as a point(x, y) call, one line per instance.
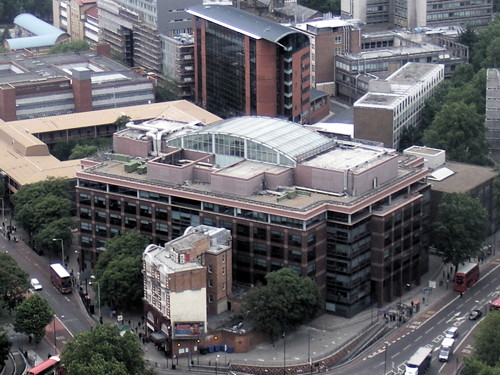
point(446, 349)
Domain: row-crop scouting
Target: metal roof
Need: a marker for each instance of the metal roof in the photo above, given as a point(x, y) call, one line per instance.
point(290, 138)
point(32, 41)
point(242, 22)
point(35, 25)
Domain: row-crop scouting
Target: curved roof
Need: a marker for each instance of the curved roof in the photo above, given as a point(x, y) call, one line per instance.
point(242, 22)
point(36, 25)
point(287, 137)
point(32, 41)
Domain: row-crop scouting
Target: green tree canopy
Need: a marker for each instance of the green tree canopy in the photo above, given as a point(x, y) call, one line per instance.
point(119, 271)
point(323, 6)
point(103, 351)
point(13, 282)
point(5, 345)
point(45, 207)
point(72, 46)
point(460, 227)
point(83, 151)
point(32, 316)
point(459, 129)
point(487, 340)
point(285, 302)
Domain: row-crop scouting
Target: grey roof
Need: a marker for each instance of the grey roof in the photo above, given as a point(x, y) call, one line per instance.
point(32, 41)
point(290, 138)
point(242, 22)
point(35, 25)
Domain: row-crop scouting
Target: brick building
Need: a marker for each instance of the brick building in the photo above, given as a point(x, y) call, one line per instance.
point(247, 65)
point(351, 216)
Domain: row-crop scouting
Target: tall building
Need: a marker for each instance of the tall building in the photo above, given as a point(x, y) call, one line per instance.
point(77, 18)
point(493, 112)
point(39, 86)
point(414, 14)
point(247, 65)
point(396, 103)
point(183, 281)
point(329, 37)
point(134, 28)
point(350, 216)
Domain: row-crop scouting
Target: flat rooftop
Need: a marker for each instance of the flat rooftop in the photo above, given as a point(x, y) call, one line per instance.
point(21, 67)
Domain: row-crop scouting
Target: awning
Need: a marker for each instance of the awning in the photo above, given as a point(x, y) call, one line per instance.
point(158, 337)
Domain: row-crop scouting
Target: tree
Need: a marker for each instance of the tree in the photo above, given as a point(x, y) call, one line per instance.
point(45, 204)
point(83, 151)
point(487, 341)
point(5, 345)
point(459, 129)
point(13, 282)
point(285, 302)
point(119, 271)
point(72, 46)
point(121, 121)
point(476, 367)
point(103, 351)
point(332, 6)
point(460, 227)
point(32, 316)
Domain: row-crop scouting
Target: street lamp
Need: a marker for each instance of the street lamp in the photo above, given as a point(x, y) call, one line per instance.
point(284, 354)
point(385, 360)
point(92, 278)
point(62, 248)
point(309, 359)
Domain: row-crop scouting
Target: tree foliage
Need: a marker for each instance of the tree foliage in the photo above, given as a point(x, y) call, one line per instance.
point(324, 6)
point(487, 341)
point(285, 302)
point(5, 345)
point(9, 9)
point(460, 227)
point(43, 209)
point(32, 316)
point(72, 149)
point(103, 351)
point(459, 129)
point(13, 282)
point(71, 46)
point(119, 271)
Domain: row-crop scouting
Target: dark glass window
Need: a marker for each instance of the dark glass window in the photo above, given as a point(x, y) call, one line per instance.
point(260, 233)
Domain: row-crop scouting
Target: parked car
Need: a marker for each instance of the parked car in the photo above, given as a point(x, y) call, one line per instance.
point(35, 284)
point(475, 314)
point(451, 332)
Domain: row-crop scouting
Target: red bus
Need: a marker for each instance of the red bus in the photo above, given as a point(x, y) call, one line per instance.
point(60, 278)
point(51, 366)
point(495, 305)
point(467, 275)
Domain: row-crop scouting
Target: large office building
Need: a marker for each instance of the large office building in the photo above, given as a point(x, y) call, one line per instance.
point(414, 14)
point(134, 28)
point(351, 216)
point(247, 65)
point(39, 86)
point(396, 103)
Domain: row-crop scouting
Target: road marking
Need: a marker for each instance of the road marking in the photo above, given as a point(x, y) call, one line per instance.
point(430, 329)
point(418, 338)
point(407, 346)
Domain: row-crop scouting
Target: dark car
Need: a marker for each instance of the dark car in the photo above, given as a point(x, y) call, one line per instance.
point(475, 314)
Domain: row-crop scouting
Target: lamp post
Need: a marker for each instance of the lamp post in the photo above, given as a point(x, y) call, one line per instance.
point(385, 359)
point(55, 340)
point(92, 278)
point(62, 248)
point(284, 354)
point(309, 359)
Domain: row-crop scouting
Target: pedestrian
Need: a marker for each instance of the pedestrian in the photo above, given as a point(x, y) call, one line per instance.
point(423, 299)
point(461, 294)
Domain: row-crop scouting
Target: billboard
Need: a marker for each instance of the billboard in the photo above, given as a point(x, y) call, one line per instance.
point(188, 329)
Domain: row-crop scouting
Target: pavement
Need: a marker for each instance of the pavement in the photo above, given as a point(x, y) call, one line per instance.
point(315, 341)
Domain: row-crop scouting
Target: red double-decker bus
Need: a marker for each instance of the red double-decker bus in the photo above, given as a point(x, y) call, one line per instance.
point(60, 278)
point(467, 275)
point(51, 366)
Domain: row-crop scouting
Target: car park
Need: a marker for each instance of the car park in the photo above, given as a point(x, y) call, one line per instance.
point(451, 332)
point(35, 284)
point(475, 314)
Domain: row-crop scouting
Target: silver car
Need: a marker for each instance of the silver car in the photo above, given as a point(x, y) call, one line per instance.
point(35, 284)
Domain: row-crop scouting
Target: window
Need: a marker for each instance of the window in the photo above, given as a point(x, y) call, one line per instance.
point(209, 268)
